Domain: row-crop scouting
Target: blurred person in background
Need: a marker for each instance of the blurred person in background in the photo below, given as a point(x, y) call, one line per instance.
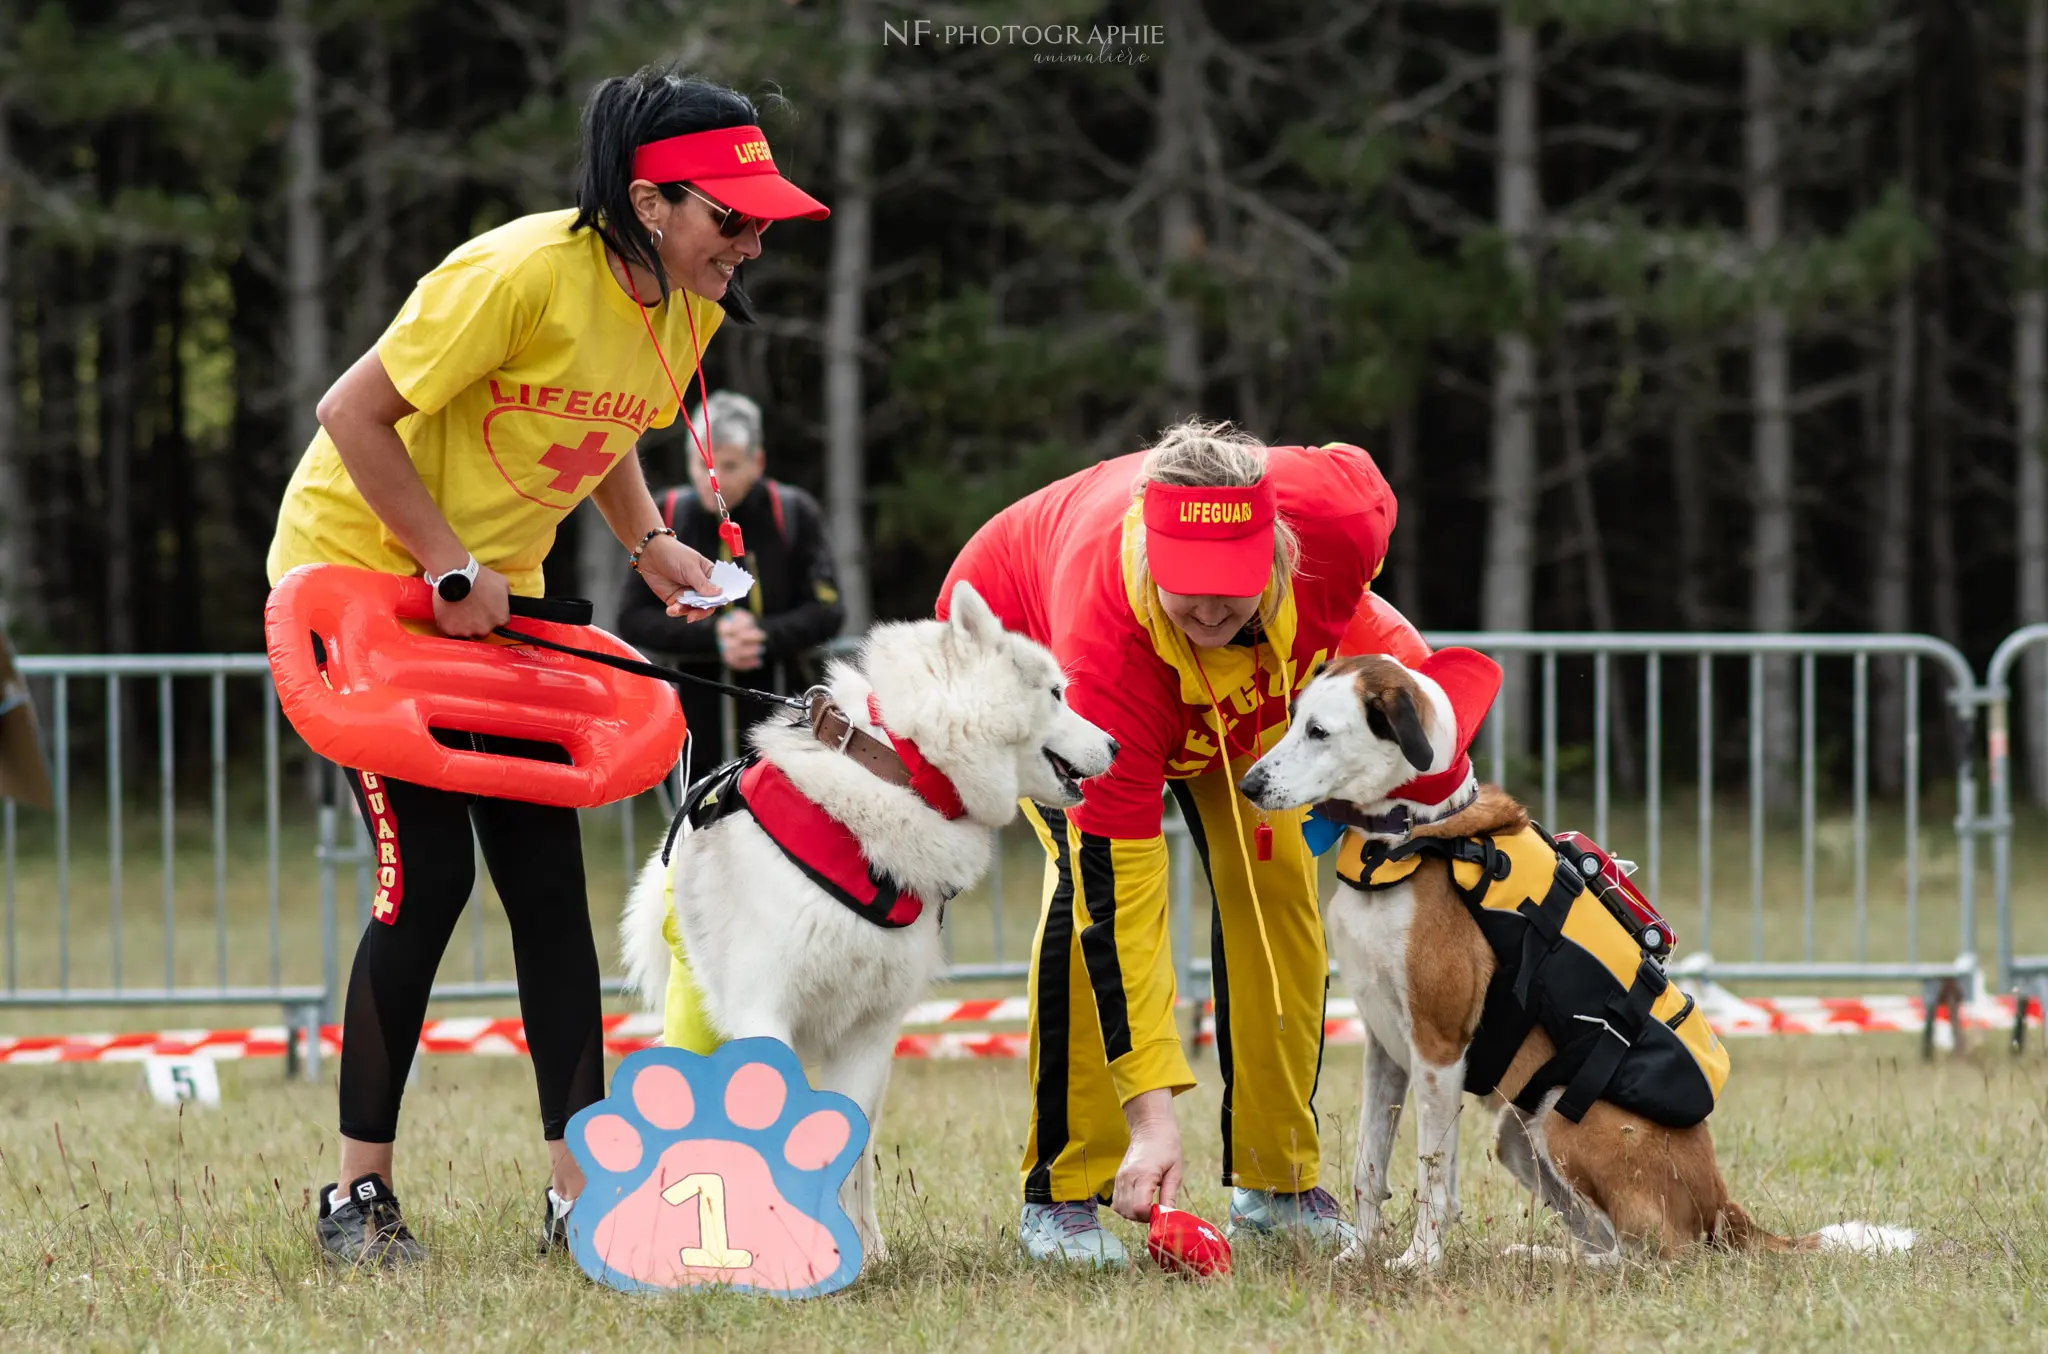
point(24, 776)
point(794, 606)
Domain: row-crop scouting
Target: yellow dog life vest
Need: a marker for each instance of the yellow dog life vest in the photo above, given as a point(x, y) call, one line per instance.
point(1623, 1032)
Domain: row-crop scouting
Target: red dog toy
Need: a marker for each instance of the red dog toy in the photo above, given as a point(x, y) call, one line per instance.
point(1181, 1243)
point(367, 693)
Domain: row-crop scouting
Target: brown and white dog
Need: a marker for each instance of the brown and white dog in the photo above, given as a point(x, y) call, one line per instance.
point(1419, 966)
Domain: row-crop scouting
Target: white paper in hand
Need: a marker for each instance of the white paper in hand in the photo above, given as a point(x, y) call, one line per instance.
point(730, 581)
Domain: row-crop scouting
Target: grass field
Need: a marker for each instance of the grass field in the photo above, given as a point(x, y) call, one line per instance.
point(133, 1226)
point(129, 1227)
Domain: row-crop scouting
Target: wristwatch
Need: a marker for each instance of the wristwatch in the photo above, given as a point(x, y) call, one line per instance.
point(455, 584)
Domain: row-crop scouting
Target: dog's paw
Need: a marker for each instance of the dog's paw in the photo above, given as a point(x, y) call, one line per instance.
point(1417, 1257)
point(720, 1170)
point(1553, 1255)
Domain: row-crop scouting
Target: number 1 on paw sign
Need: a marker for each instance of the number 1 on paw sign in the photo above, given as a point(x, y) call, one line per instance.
point(721, 1170)
point(712, 1250)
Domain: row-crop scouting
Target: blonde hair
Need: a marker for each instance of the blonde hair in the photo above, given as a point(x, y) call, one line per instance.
point(1213, 455)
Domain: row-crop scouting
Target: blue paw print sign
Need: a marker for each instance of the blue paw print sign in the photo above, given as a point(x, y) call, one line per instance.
point(717, 1171)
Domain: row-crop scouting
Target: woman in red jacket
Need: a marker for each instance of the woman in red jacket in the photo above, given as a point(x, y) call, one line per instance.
point(1189, 591)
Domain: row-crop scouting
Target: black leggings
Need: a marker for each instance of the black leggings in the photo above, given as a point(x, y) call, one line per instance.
point(420, 838)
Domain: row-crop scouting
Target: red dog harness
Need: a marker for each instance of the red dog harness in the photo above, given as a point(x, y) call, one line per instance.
point(822, 847)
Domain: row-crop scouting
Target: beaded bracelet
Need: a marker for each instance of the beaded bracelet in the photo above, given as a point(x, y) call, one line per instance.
point(634, 558)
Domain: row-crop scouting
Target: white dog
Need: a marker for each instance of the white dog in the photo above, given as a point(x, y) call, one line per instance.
point(929, 740)
point(1417, 961)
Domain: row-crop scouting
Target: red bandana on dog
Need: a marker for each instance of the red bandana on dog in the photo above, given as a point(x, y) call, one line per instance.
point(1471, 680)
point(927, 781)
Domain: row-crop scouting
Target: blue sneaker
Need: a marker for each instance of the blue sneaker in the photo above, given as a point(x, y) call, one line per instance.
point(1312, 1215)
point(1070, 1233)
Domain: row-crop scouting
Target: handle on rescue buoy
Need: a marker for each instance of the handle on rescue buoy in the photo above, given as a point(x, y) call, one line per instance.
point(560, 610)
point(415, 604)
point(367, 684)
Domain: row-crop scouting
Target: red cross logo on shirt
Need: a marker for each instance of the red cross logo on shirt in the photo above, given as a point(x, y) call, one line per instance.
point(577, 463)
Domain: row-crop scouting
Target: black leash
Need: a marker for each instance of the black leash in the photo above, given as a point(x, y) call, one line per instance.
point(659, 674)
point(576, 611)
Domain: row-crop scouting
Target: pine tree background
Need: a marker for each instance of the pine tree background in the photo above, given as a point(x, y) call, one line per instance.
point(1296, 215)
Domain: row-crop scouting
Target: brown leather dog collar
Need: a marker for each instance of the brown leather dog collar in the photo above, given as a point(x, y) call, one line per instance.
point(1398, 821)
point(830, 726)
point(899, 761)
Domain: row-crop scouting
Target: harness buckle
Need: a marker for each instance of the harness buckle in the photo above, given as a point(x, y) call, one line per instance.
point(817, 700)
point(1396, 822)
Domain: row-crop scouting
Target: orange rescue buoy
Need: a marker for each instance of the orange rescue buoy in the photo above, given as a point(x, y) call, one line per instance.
point(366, 692)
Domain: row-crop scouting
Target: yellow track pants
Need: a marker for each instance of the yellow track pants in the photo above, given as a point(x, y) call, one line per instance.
point(1102, 995)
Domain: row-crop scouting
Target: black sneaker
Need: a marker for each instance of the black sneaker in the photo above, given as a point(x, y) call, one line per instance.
point(367, 1229)
point(554, 1222)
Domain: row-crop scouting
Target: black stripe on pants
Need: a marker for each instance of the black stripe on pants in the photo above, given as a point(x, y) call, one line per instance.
point(1315, 1087)
point(1219, 976)
point(1098, 946)
point(1054, 960)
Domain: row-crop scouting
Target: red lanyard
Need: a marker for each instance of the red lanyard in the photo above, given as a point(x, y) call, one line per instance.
point(728, 530)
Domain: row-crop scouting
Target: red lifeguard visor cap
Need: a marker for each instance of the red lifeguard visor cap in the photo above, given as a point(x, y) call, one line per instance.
point(732, 164)
point(1206, 541)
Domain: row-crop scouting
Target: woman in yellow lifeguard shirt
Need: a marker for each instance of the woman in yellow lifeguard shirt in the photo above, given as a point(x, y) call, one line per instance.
point(515, 382)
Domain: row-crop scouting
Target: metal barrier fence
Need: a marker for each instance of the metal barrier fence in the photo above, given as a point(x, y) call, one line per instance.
point(1650, 703)
point(1613, 722)
point(123, 687)
point(2025, 974)
point(1709, 656)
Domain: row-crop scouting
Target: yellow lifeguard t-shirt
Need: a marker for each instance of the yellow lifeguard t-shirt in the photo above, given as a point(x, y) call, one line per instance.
point(532, 375)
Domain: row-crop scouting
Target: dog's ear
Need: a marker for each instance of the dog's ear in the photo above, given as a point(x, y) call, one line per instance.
point(970, 616)
point(1392, 715)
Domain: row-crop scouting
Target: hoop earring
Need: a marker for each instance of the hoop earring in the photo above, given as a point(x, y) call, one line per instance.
point(657, 236)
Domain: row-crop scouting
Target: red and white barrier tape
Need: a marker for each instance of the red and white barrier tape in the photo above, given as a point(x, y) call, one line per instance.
point(982, 1011)
point(1735, 1018)
point(267, 1041)
point(1731, 1017)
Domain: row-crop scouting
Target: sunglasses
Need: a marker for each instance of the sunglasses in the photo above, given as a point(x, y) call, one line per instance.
point(731, 221)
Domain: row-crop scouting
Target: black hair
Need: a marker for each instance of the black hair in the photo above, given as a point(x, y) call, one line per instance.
point(621, 115)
